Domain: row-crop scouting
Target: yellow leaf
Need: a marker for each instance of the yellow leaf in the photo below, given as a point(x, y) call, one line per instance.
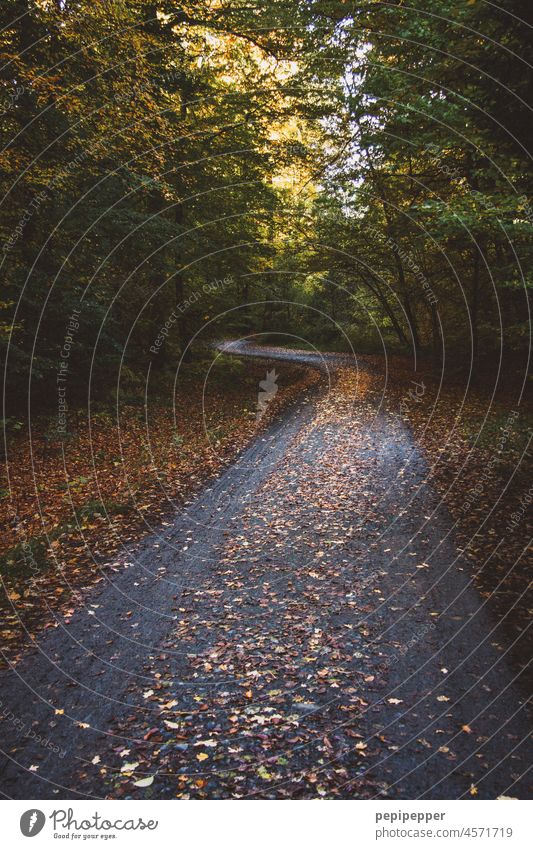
point(144, 782)
point(169, 705)
point(129, 767)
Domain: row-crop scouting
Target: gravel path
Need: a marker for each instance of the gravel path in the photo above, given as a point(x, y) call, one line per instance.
point(305, 628)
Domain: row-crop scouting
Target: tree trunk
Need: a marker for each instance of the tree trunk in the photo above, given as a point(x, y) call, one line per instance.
point(375, 289)
point(180, 301)
point(413, 326)
point(474, 303)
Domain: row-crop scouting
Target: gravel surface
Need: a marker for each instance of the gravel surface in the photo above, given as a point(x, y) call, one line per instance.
point(307, 627)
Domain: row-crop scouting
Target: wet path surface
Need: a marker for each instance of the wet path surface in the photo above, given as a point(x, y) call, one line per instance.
point(305, 628)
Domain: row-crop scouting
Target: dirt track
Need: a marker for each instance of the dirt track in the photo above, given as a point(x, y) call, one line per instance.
point(305, 628)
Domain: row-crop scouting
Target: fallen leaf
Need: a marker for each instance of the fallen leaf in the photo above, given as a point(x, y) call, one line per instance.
point(129, 767)
point(144, 782)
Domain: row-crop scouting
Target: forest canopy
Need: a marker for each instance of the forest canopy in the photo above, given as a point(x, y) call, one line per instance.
point(352, 174)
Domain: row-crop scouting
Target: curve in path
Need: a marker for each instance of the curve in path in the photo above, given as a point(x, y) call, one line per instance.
point(306, 627)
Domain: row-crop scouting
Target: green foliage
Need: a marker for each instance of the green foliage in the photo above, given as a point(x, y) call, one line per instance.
point(131, 130)
point(425, 218)
point(354, 172)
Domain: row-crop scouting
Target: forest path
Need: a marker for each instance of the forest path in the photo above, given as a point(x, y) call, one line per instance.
point(306, 627)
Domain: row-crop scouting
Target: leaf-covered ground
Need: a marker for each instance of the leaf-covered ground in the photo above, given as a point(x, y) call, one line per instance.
point(308, 626)
point(477, 440)
point(68, 506)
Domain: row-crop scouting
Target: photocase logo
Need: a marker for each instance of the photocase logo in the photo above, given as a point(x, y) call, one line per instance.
point(268, 390)
point(32, 822)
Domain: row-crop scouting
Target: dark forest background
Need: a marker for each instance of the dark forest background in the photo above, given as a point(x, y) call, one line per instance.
point(354, 174)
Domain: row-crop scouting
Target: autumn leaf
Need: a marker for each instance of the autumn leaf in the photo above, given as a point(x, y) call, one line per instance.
point(129, 767)
point(144, 782)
